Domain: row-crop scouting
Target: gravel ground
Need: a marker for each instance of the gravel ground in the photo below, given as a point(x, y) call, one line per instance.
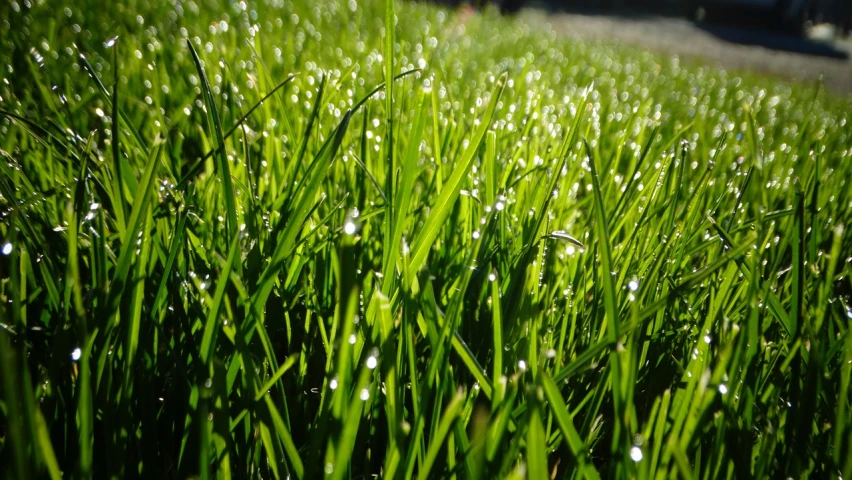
point(737, 48)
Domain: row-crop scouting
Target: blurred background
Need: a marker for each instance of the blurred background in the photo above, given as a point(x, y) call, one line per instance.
point(797, 39)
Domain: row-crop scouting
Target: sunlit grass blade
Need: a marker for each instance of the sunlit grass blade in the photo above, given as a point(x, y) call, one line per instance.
point(216, 125)
point(403, 195)
point(612, 320)
point(289, 233)
point(211, 325)
point(441, 208)
point(536, 448)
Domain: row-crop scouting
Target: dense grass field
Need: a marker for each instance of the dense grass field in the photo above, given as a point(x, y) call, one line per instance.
point(232, 246)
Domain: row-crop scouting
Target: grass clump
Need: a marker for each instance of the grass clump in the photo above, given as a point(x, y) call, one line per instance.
point(233, 246)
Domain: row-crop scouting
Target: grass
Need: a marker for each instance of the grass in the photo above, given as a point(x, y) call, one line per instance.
point(232, 246)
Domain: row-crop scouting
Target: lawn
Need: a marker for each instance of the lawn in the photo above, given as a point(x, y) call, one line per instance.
point(238, 241)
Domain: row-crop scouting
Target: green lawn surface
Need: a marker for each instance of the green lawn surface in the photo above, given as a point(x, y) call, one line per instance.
point(347, 239)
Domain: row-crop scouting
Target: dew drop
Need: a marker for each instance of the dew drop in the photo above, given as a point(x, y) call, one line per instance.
point(636, 454)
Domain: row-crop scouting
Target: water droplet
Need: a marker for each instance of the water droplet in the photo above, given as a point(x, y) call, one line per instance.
point(372, 362)
point(365, 394)
point(352, 339)
point(636, 454)
point(76, 354)
point(633, 285)
point(111, 42)
point(7, 248)
point(723, 389)
point(522, 365)
point(208, 383)
point(333, 384)
point(349, 228)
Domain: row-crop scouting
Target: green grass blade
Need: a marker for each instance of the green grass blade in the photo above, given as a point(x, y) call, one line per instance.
point(449, 417)
point(216, 125)
point(441, 208)
point(566, 425)
point(211, 325)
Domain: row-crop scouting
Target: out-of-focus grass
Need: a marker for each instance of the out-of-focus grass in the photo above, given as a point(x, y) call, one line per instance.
point(230, 248)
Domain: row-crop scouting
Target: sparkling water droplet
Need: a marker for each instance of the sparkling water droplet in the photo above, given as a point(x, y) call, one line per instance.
point(7, 248)
point(76, 354)
point(636, 454)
